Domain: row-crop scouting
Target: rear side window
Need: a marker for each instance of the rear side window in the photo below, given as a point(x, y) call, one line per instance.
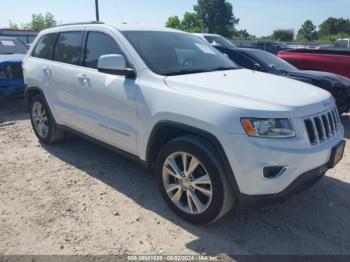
point(68, 48)
point(44, 47)
point(99, 44)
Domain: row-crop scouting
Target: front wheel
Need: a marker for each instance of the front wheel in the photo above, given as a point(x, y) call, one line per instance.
point(192, 181)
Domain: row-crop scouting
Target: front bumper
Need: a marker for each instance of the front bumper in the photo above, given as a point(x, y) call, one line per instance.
point(302, 183)
point(249, 156)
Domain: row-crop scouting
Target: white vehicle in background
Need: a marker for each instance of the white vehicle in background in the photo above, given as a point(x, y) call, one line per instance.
point(342, 43)
point(216, 135)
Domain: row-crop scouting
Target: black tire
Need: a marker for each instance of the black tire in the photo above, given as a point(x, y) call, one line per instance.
point(54, 134)
point(222, 192)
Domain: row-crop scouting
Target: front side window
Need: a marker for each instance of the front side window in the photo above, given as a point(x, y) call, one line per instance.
point(68, 48)
point(99, 44)
point(44, 47)
point(172, 53)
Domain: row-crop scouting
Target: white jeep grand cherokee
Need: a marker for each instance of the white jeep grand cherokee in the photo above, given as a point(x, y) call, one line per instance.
point(216, 135)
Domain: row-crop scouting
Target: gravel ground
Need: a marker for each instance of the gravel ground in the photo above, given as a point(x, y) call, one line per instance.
point(78, 198)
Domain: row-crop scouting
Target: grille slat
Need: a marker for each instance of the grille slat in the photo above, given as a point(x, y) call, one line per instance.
point(331, 121)
point(335, 119)
point(16, 72)
point(320, 132)
point(326, 125)
point(317, 137)
point(323, 127)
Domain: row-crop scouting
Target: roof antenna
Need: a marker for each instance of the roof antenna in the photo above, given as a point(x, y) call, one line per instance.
point(97, 11)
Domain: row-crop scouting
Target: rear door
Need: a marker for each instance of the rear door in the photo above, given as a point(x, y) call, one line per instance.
point(106, 103)
point(38, 66)
point(63, 72)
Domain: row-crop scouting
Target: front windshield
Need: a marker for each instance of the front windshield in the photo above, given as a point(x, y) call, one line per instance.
point(219, 40)
point(9, 46)
point(272, 61)
point(173, 53)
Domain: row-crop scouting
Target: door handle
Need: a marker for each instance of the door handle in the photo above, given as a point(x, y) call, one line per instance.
point(47, 70)
point(84, 79)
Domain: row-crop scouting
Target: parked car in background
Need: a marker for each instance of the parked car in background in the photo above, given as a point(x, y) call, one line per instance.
point(333, 61)
point(269, 46)
point(259, 60)
point(216, 40)
point(342, 43)
point(12, 52)
point(216, 135)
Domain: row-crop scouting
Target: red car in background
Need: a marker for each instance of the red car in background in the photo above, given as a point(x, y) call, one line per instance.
point(334, 61)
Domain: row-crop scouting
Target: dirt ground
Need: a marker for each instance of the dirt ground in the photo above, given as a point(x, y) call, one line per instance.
point(78, 198)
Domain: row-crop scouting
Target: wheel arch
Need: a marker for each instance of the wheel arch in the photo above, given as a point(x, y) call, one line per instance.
point(164, 131)
point(30, 92)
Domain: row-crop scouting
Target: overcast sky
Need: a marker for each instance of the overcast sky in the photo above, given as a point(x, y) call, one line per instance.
point(259, 17)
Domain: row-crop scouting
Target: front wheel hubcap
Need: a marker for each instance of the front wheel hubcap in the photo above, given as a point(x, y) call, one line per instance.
point(40, 120)
point(187, 183)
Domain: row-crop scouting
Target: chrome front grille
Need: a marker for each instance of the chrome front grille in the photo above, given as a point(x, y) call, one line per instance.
point(323, 127)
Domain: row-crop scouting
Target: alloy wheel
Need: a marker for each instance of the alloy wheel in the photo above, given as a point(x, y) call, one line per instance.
point(40, 120)
point(187, 183)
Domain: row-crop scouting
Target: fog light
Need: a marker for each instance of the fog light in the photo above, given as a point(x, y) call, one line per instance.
point(273, 171)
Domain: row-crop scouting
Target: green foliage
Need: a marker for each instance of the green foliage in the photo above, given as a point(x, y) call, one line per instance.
point(40, 22)
point(243, 34)
point(284, 35)
point(173, 22)
point(217, 16)
point(13, 26)
point(307, 31)
point(331, 38)
point(334, 26)
point(191, 23)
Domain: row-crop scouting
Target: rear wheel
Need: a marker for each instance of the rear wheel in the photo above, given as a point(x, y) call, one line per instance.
point(192, 181)
point(42, 122)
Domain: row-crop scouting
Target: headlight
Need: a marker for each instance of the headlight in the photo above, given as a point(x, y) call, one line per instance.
point(265, 127)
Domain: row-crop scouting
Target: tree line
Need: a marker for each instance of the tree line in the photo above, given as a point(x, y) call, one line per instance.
point(212, 16)
point(217, 17)
point(39, 22)
point(329, 30)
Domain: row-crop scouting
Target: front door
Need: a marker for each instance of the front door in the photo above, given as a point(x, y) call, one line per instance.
point(106, 103)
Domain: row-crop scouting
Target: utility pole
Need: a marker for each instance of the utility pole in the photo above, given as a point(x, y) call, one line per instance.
point(97, 11)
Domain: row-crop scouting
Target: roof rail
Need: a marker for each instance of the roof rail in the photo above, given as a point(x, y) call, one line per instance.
point(81, 23)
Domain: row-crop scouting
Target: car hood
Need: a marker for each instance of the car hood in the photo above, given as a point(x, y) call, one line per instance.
point(17, 58)
point(254, 91)
point(334, 79)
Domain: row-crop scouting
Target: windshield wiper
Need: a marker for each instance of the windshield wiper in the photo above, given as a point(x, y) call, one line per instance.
point(185, 72)
point(221, 68)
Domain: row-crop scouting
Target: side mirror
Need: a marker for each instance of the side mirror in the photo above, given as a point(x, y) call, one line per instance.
point(114, 65)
